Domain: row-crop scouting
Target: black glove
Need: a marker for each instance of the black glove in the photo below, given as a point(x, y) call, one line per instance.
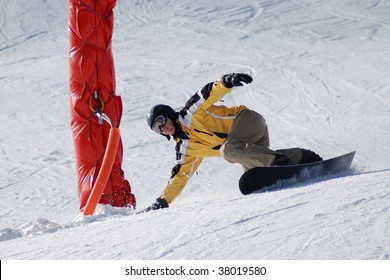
point(236, 79)
point(159, 204)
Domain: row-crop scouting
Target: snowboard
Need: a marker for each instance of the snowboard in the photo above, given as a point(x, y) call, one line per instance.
point(261, 178)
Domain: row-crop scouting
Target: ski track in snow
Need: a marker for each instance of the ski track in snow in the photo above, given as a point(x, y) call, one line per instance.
point(320, 73)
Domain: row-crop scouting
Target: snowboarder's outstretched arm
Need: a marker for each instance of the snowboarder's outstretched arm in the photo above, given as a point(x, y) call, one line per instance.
point(214, 91)
point(181, 172)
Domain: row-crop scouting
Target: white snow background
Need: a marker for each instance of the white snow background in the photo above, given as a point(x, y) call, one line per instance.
point(321, 79)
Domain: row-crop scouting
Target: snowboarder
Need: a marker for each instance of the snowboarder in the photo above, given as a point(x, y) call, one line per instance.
point(202, 129)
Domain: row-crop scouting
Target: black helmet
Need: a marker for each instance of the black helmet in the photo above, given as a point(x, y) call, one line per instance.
point(158, 110)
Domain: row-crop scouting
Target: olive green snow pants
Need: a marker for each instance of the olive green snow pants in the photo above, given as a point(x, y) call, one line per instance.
point(248, 143)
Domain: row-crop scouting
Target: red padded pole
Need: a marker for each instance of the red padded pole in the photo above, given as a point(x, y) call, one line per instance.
point(92, 89)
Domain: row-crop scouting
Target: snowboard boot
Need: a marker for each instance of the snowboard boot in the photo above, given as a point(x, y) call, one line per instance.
point(282, 160)
point(309, 156)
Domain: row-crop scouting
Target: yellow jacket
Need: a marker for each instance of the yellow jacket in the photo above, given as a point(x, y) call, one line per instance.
point(206, 126)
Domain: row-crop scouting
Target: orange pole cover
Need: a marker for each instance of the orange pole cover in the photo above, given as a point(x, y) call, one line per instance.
point(105, 171)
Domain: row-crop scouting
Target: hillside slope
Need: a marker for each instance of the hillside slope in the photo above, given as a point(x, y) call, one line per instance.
point(320, 73)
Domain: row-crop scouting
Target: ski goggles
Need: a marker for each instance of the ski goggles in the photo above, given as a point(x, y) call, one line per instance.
point(159, 123)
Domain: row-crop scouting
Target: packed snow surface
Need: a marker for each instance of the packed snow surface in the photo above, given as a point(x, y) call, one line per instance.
point(321, 79)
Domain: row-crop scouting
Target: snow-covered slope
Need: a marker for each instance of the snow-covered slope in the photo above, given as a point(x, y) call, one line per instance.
point(345, 218)
point(321, 79)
